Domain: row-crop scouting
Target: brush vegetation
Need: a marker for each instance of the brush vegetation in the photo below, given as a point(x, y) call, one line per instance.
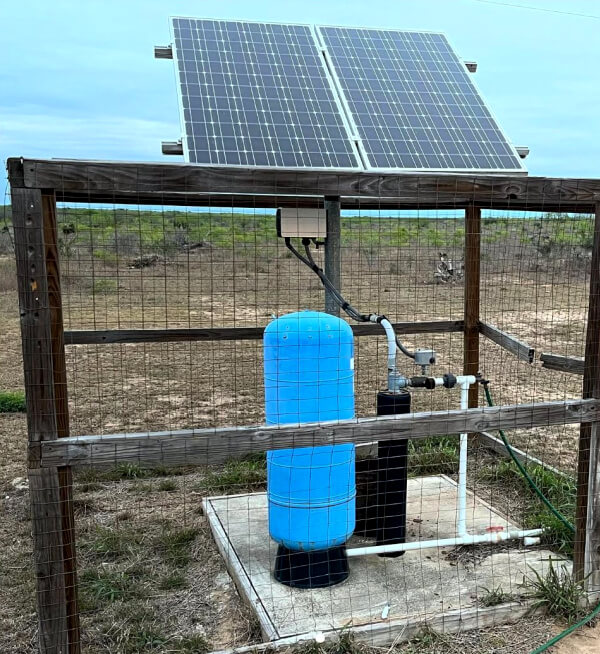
point(12, 402)
point(111, 235)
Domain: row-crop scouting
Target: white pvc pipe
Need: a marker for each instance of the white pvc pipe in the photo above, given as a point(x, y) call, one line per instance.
point(468, 539)
point(463, 537)
point(465, 383)
point(391, 340)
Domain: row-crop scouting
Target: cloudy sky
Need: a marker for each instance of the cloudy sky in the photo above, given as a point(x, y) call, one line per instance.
point(78, 78)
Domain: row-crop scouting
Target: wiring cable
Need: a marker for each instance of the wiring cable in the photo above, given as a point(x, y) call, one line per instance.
point(351, 311)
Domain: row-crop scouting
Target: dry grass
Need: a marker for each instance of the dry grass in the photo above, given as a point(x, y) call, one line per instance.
point(8, 275)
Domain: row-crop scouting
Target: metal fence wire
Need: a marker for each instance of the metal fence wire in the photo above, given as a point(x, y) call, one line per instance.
point(216, 462)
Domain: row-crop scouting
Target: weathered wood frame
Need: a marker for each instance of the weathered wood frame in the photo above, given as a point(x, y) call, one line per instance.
point(36, 185)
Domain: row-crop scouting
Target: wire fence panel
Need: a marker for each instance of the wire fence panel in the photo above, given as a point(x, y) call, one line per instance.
point(247, 468)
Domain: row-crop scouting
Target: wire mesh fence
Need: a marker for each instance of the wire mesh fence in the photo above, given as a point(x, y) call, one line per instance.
point(190, 537)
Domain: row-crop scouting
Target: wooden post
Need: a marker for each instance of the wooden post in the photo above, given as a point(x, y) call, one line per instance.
point(333, 252)
point(61, 403)
point(587, 518)
point(471, 295)
point(36, 252)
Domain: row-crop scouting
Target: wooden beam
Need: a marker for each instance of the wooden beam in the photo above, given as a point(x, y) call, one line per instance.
point(333, 258)
point(510, 343)
point(153, 183)
point(212, 446)
point(263, 201)
point(586, 562)
point(46, 498)
point(471, 298)
point(111, 336)
point(383, 633)
point(562, 364)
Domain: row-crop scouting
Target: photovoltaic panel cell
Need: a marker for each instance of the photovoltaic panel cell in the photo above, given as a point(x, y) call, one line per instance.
point(413, 104)
point(258, 94)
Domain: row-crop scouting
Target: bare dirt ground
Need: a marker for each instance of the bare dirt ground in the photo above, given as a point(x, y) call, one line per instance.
point(161, 584)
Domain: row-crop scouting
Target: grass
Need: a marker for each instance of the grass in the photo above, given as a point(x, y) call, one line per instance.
point(429, 641)
point(559, 593)
point(345, 643)
point(190, 645)
point(174, 545)
point(107, 543)
point(99, 587)
point(105, 285)
point(560, 490)
point(433, 456)
point(495, 596)
point(145, 639)
point(12, 402)
point(127, 471)
point(8, 273)
point(109, 257)
point(172, 581)
point(167, 486)
point(244, 475)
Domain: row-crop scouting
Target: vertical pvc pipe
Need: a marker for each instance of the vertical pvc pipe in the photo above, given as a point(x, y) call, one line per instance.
point(462, 466)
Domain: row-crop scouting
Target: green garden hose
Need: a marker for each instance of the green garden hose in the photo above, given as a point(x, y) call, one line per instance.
point(523, 470)
point(557, 513)
point(566, 632)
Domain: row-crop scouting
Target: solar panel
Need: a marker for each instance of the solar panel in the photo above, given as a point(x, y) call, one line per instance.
point(412, 103)
point(258, 94)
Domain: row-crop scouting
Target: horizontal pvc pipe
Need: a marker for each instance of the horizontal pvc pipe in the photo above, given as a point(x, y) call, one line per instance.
point(468, 539)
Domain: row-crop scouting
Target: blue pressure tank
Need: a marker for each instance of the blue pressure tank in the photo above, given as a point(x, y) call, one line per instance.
point(311, 492)
point(309, 368)
point(309, 377)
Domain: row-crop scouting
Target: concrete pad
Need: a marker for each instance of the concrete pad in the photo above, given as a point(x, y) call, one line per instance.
point(416, 586)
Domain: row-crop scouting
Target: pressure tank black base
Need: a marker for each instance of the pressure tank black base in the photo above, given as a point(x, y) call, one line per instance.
point(318, 569)
point(392, 476)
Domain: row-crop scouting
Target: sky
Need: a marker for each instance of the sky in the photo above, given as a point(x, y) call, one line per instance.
point(79, 80)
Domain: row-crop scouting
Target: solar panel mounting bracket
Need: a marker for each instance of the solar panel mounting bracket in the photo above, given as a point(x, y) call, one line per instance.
point(522, 150)
point(163, 52)
point(172, 147)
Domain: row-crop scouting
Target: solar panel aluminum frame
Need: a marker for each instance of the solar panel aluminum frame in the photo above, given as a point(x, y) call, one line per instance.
point(520, 169)
point(335, 97)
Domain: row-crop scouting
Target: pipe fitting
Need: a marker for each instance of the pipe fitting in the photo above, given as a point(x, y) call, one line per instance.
point(397, 381)
point(423, 382)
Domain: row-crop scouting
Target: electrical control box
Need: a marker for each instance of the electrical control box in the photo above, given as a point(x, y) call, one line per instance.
point(424, 356)
point(293, 222)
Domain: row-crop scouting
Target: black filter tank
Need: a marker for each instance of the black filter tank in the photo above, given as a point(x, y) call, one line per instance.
point(392, 475)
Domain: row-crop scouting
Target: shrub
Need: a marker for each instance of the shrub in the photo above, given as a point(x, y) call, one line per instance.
point(12, 402)
point(105, 285)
